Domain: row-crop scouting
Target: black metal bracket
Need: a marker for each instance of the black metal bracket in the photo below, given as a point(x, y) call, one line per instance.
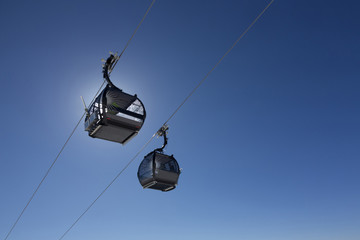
point(109, 63)
point(162, 132)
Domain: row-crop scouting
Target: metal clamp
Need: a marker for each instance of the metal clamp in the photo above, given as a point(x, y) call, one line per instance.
point(162, 132)
point(108, 67)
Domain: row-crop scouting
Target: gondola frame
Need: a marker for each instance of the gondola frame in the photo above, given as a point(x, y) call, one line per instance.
point(101, 124)
point(164, 180)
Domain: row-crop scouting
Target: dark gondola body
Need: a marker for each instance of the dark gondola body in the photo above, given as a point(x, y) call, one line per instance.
point(114, 115)
point(159, 171)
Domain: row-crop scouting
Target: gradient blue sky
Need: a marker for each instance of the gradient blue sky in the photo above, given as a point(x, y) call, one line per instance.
point(269, 145)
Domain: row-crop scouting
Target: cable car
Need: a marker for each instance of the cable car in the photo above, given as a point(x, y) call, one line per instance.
point(159, 171)
point(114, 115)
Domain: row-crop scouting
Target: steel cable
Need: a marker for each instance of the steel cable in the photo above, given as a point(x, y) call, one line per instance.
point(73, 131)
point(171, 116)
point(47, 172)
point(112, 181)
point(212, 69)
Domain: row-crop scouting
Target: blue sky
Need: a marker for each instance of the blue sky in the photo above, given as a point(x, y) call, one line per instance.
point(269, 144)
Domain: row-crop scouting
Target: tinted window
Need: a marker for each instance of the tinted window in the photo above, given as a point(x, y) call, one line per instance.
point(145, 168)
point(166, 163)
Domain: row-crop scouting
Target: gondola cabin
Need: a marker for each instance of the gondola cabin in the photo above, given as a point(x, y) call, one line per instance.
point(114, 115)
point(159, 171)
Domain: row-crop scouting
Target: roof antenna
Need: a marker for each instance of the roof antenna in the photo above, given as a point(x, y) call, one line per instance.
point(86, 109)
